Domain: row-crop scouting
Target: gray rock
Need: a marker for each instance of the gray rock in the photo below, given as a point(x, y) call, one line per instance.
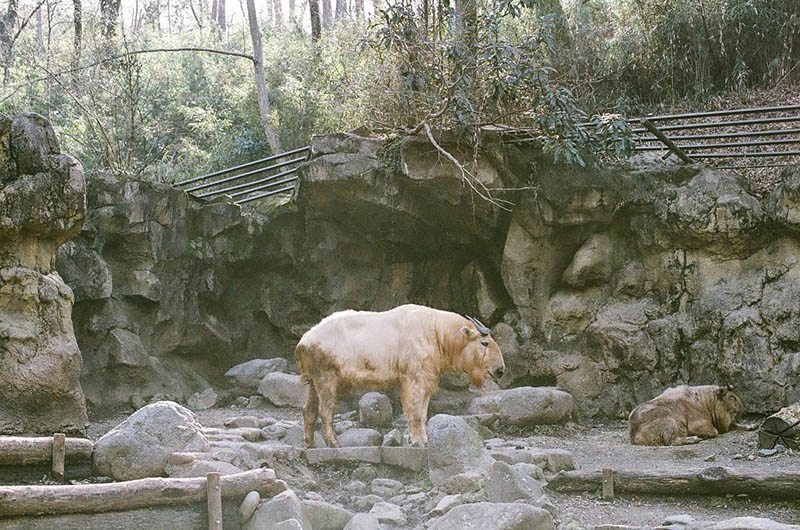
point(281, 507)
point(283, 390)
point(393, 438)
point(203, 400)
point(506, 484)
point(375, 410)
point(256, 402)
point(366, 502)
point(42, 205)
point(526, 405)
point(325, 516)
point(447, 503)
point(386, 487)
point(453, 448)
point(389, 514)
point(363, 521)
point(289, 524)
point(246, 377)
point(360, 438)
point(531, 470)
point(249, 505)
point(468, 482)
point(242, 421)
point(140, 446)
point(201, 468)
point(365, 473)
point(495, 516)
point(591, 263)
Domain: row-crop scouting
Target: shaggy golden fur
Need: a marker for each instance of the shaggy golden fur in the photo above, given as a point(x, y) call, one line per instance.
point(408, 346)
point(684, 414)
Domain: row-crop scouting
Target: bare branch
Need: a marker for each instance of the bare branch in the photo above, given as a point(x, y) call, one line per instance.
point(468, 177)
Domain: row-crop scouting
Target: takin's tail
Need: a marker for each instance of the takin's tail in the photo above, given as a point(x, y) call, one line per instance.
point(304, 363)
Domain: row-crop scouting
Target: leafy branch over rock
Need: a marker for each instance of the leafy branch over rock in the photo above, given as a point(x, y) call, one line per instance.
point(478, 70)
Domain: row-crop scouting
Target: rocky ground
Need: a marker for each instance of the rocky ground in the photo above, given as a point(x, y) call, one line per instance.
point(403, 498)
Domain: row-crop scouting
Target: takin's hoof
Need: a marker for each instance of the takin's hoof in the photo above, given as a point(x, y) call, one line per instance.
point(690, 440)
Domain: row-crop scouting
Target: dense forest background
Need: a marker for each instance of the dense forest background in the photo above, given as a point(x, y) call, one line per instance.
point(171, 88)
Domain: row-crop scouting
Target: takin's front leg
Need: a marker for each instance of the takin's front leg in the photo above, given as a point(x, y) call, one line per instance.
point(702, 429)
point(411, 398)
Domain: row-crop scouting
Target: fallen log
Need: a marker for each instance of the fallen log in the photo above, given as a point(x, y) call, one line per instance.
point(38, 451)
point(783, 428)
point(709, 481)
point(142, 493)
point(177, 517)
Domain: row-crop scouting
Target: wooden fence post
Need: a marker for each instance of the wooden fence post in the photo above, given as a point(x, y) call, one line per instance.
point(608, 484)
point(59, 452)
point(214, 501)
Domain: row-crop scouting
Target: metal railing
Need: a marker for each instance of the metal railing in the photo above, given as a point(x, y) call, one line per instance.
point(739, 142)
point(255, 180)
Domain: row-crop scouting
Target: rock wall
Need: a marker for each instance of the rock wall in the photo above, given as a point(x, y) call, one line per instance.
point(611, 284)
point(42, 204)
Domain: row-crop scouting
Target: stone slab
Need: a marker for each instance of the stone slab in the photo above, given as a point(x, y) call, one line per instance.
point(322, 455)
point(413, 458)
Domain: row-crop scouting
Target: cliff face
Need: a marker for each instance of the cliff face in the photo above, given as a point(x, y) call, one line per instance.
point(42, 204)
point(610, 284)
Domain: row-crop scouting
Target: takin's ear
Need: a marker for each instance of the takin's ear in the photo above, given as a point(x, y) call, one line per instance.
point(468, 331)
point(722, 392)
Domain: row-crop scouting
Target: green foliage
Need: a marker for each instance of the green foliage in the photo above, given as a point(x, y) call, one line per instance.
point(498, 72)
point(545, 65)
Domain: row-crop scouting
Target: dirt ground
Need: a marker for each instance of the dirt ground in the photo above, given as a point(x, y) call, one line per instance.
point(606, 445)
point(601, 445)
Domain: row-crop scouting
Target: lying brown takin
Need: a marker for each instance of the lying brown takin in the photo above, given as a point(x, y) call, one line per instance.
point(409, 346)
point(685, 414)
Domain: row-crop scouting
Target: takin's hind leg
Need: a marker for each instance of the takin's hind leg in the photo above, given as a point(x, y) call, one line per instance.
point(326, 388)
point(310, 415)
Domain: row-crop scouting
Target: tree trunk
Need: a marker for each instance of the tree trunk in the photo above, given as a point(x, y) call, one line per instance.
point(783, 428)
point(358, 6)
point(316, 29)
point(7, 23)
point(326, 14)
point(278, 13)
point(292, 8)
point(268, 13)
point(466, 21)
point(129, 495)
point(711, 481)
point(109, 15)
point(221, 17)
point(261, 85)
point(341, 10)
point(77, 39)
point(39, 30)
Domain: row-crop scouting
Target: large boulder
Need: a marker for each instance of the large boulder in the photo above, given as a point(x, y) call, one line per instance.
point(506, 484)
point(495, 516)
point(246, 377)
point(281, 508)
point(453, 448)
point(283, 390)
point(375, 410)
point(42, 205)
point(325, 516)
point(141, 445)
point(526, 405)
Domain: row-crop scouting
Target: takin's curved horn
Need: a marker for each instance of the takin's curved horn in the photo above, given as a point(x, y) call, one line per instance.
point(483, 330)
